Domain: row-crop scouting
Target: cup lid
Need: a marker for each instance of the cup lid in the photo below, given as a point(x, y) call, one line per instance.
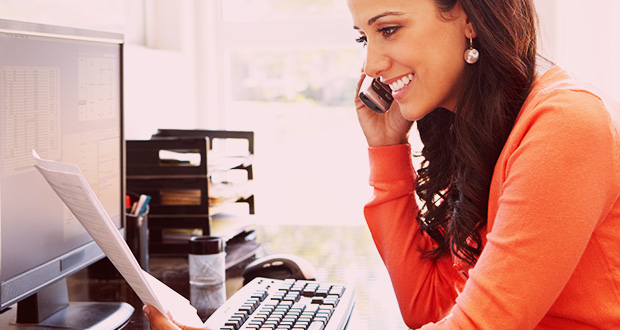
point(206, 245)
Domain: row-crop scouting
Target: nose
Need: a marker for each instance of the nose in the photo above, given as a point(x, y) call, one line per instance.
point(377, 61)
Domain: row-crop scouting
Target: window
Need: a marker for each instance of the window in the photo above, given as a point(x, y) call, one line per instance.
point(290, 71)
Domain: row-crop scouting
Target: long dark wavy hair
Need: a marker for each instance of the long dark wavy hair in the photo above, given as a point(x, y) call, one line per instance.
point(462, 146)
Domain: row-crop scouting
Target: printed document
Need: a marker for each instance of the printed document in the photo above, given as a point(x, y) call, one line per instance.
point(70, 185)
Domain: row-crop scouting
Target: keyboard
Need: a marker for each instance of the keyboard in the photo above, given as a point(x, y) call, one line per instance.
point(285, 304)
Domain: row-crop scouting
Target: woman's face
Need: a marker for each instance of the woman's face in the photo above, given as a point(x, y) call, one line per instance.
point(412, 45)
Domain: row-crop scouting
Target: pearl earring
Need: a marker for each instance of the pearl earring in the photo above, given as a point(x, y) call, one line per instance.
point(471, 55)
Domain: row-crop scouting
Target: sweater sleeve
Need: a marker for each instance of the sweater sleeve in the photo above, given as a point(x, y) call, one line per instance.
point(559, 181)
point(425, 290)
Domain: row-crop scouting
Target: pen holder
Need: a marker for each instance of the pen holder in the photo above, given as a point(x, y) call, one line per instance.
point(138, 237)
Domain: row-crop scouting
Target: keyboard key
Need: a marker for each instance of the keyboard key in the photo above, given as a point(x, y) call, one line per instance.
point(321, 317)
point(294, 297)
point(309, 291)
point(260, 295)
point(305, 318)
point(317, 300)
point(325, 309)
point(323, 290)
point(298, 307)
point(286, 304)
point(312, 308)
point(337, 290)
point(299, 286)
point(331, 300)
point(287, 323)
point(318, 325)
point(232, 324)
point(238, 320)
point(270, 323)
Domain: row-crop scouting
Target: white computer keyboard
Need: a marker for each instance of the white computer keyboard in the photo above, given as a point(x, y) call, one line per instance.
point(285, 304)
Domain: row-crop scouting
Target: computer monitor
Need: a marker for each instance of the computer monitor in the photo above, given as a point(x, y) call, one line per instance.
point(61, 95)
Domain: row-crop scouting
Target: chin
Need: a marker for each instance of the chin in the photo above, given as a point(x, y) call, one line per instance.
point(413, 113)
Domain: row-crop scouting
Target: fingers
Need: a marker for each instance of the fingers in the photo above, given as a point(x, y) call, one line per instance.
point(191, 328)
point(157, 320)
point(183, 327)
point(359, 82)
point(358, 103)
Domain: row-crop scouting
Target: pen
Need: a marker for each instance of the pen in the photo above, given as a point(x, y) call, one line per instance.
point(142, 204)
point(134, 207)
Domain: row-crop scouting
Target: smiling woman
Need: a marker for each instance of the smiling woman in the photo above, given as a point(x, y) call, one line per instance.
point(504, 133)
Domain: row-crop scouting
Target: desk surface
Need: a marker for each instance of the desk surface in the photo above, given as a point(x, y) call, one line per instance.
point(340, 254)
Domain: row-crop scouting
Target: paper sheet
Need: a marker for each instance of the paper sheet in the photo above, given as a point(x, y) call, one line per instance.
point(71, 186)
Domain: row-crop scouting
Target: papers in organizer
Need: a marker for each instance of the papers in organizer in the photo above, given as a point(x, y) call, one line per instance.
point(71, 186)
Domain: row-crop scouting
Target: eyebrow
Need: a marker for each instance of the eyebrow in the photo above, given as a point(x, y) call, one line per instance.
point(387, 13)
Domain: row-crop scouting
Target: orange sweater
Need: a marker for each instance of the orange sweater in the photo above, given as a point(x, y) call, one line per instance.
point(551, 258)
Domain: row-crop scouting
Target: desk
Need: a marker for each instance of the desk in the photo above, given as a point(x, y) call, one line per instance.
point(340, 254)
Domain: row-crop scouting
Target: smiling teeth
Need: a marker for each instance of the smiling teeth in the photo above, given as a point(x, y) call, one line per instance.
point(402, 82)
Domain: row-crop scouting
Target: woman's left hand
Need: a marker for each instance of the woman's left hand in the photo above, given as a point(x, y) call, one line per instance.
point(159, 322)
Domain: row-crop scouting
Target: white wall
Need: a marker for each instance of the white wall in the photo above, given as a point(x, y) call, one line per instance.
point(160, 79)
point(584, 38)
point(171, 79)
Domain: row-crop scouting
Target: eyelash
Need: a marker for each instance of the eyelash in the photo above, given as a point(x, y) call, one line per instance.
point(386, 32)
point(362, 40)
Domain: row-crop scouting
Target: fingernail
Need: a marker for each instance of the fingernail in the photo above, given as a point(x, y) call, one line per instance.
point(146, 310)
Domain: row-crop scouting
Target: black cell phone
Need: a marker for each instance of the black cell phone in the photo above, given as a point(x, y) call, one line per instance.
point(376, 95)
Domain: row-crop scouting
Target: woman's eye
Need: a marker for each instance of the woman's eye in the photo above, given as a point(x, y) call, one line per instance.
point(362, 40)
point(387, 32)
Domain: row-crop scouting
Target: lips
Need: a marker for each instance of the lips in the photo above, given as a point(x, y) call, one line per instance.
point(399, 86)
point(401, 83)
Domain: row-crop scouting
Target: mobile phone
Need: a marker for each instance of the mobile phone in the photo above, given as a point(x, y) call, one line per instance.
point(376, 95)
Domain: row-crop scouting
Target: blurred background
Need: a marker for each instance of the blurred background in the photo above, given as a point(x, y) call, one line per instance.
point(287, 71)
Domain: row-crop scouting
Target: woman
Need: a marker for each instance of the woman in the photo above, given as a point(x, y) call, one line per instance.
point(518, 224)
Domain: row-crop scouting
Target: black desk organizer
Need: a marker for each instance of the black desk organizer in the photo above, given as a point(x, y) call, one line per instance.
point(148, 174)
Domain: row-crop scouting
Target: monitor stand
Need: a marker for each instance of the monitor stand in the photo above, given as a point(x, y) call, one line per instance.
point(50, 307)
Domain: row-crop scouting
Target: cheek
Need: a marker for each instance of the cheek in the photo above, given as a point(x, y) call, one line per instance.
point(435, 86)
point(441, 76)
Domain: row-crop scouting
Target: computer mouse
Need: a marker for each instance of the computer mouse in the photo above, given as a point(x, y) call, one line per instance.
point(279, 266)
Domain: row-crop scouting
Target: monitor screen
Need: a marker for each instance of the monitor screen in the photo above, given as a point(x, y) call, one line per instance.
point(61, 95)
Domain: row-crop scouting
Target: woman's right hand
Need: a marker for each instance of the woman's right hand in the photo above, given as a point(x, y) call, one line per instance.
point(158, 321)
point(382, 129)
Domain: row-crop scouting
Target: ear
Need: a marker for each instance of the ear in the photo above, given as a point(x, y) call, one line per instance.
point(469, 30)
point(467, 25)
